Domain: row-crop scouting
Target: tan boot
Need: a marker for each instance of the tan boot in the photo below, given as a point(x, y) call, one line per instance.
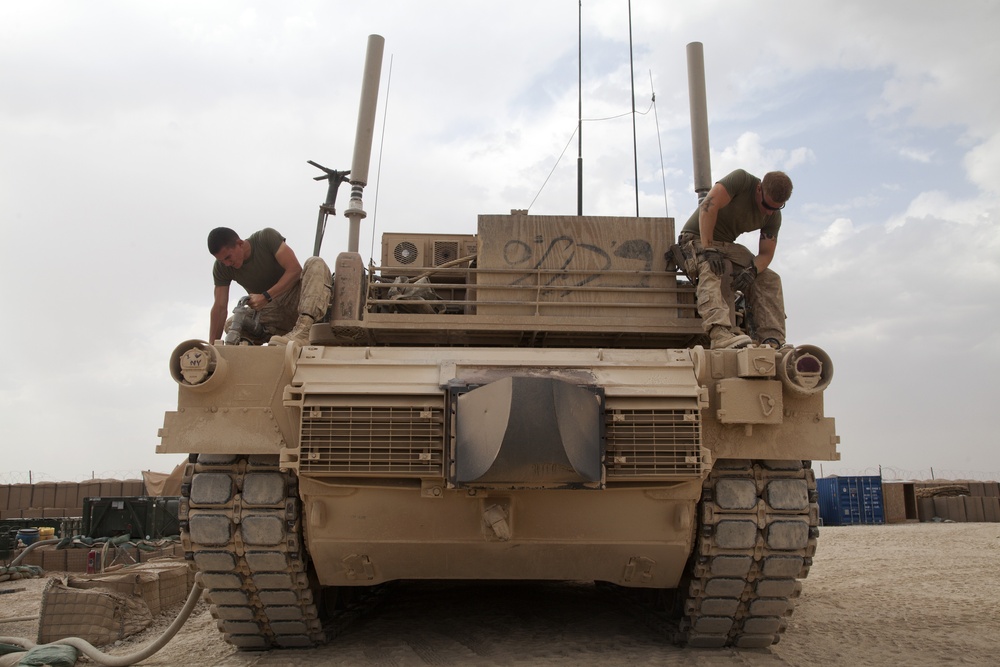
point(724, 339)
point(299, 334)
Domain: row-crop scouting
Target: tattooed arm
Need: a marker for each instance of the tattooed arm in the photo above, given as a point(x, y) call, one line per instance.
point(765, 250)
point(708, 212)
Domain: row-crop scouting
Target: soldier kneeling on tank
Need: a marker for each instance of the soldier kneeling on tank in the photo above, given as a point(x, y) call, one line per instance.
point(738, 203)
point(289, 297)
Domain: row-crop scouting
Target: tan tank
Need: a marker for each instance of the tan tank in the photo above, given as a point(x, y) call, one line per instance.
point(531, 402)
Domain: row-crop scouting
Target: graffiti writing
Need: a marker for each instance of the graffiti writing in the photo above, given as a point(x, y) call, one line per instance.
point(579, 263)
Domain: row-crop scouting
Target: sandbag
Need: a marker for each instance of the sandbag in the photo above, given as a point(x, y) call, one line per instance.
point(56, 656)
point(144, 585)
point(96, 615)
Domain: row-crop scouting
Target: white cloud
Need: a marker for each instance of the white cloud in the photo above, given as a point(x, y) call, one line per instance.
point(836, 233)
point(750, 153)
point(916, 154)
point(938, 205)
point(983, 165)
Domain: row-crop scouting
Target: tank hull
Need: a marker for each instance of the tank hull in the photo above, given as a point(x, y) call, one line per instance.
point(369, 535)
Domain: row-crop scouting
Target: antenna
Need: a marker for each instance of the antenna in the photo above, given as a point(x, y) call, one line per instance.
point(631, 67)
point(579, 106)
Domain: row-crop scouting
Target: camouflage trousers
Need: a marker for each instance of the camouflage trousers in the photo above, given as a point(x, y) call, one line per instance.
point(764, 296)
point(310, 296)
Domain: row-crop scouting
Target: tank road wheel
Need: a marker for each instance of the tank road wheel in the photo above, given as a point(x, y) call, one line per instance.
point(241, 525)
point(757, 530)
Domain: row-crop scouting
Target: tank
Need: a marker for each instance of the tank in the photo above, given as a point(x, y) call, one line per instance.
point(535, 401)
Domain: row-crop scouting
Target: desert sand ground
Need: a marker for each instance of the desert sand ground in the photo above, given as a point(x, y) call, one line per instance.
point(914, 594)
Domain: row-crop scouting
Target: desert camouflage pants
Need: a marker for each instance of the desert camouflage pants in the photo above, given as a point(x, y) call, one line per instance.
point(765, 295)
point(310, 296)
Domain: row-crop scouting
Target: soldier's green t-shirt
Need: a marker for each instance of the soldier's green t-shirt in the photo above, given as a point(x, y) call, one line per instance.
point(261, 271)
point(740, 215)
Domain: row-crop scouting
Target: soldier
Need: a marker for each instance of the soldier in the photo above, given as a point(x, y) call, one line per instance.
point(289, 297)
point(738, 203)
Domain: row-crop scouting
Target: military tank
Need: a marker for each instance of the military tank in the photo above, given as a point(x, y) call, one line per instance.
point(534, 401)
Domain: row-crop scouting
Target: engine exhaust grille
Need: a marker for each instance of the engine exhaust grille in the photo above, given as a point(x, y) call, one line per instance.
point(404, 441)
point(653, 444)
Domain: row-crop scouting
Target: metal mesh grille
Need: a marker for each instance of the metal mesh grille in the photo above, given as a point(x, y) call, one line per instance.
point(654, 444)
point(373, 440)
point(445, 251)
point(405, 253)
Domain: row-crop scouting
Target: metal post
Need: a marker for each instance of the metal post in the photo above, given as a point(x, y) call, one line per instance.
point(363, 138)
point(699, 119)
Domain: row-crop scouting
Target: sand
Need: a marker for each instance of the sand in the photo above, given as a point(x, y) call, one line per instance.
point(913, 594)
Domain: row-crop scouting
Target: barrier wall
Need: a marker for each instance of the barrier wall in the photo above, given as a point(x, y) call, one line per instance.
point(60, 499)
point(942, 500)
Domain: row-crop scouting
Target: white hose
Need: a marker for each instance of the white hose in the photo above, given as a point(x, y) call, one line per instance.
point(97, 656)
point(31, 547)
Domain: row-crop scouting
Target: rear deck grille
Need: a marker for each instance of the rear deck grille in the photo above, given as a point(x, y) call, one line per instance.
point(373, 440)
point(653, 444)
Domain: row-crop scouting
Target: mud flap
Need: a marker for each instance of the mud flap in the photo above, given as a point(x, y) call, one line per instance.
point(529, 432)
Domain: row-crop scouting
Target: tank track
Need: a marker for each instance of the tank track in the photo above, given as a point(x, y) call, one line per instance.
point(757, 534)
point(241, 525)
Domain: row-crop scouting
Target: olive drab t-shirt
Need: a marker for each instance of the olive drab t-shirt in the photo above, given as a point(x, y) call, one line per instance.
point(740, 215)
point(261, 270)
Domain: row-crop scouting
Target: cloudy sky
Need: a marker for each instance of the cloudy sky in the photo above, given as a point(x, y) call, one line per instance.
point(129, 129)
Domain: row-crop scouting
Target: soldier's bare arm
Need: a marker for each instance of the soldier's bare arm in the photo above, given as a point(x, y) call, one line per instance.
point(708, 212)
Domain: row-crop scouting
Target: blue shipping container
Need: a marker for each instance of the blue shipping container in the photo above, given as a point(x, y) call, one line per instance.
point(850, 500)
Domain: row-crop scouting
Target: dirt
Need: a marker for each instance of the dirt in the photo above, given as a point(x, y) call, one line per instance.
point(903, 594)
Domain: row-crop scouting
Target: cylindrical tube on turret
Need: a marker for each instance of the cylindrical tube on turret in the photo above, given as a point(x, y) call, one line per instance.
point(699, 119)
point(363, 137)
point(366, 110)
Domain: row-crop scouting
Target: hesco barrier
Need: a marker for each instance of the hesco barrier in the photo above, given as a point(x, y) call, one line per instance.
point(845, 501)
point(45, 500)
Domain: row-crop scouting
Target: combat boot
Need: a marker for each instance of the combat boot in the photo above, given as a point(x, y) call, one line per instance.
point(299, 334)
point(724, 339)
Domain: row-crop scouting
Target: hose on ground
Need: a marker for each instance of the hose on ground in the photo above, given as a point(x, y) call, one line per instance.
point(31, 547)
point(101, 658)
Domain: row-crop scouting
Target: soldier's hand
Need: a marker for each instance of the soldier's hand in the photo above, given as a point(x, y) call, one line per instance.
point(257, 301)
point(744, 279)
point(715, 260)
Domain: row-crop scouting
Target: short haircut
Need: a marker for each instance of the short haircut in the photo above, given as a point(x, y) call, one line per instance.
point(777, 186)
point(221, 237)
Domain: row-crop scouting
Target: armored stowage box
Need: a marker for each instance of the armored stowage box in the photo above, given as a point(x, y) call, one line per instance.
point(532, 402)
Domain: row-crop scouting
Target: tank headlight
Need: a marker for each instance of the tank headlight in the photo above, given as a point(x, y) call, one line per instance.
point(197, 365)
point(805, 370)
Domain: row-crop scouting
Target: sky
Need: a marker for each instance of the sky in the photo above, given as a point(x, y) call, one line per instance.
point(129, 129)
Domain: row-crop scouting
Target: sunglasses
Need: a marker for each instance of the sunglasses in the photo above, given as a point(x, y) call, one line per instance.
point(763, 202)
